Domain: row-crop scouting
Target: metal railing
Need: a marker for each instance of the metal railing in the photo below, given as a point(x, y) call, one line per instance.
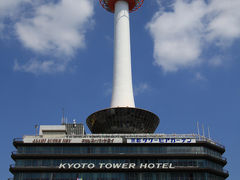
point(190, 136)
point(121, 153)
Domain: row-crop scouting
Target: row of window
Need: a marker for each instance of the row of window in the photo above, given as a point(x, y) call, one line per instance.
point(176, 162)
point(117, 176)
point(117, 149)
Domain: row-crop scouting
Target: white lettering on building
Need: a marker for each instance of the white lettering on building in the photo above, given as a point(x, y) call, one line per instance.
point(116, 166)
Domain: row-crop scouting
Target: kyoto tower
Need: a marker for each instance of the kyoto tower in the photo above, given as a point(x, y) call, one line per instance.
point(122, 117)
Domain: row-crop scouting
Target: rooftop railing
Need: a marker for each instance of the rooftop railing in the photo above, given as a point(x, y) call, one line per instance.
point(199, 138)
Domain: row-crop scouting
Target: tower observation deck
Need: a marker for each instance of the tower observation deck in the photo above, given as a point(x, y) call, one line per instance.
point(123, 116)
point(109, 5)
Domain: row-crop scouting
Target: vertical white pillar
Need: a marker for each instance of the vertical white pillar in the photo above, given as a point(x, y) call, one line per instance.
point(122, 95)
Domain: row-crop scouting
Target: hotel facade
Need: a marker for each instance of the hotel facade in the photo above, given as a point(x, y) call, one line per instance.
point(58, 154)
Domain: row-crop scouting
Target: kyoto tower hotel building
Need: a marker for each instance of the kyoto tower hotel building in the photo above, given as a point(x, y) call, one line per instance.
point(123, 145)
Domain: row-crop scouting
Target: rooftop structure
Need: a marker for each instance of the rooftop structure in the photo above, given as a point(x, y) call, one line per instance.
point(61, 130)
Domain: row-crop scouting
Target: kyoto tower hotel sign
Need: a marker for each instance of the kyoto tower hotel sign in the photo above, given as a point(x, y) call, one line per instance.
point(122, 117)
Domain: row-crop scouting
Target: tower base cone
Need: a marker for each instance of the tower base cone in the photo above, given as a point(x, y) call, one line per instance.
point(122, 120)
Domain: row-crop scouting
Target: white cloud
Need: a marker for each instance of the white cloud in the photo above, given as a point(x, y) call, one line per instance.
point(57, 28)
point(38, 67)
point(107, 89)
point(216, 61)
point(224, 20)
point(200, 77)
point(9, 9)
point(181, 34)
point(52, 29)
point(141, 88)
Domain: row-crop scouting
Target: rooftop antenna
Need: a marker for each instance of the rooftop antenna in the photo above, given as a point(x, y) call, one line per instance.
point(74, 123)
point(63, 118)
point(203, 130)
point(66, 120)
point(209, 137)
point(73, 127)
point(36, 129)
point(198, 130)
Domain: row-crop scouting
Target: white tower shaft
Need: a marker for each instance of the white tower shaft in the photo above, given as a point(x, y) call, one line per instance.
point(122, 95)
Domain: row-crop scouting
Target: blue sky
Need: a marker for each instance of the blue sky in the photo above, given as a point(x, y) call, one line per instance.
point(59, 54)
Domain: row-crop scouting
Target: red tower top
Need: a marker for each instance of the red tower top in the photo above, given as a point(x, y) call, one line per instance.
point(133, 4)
